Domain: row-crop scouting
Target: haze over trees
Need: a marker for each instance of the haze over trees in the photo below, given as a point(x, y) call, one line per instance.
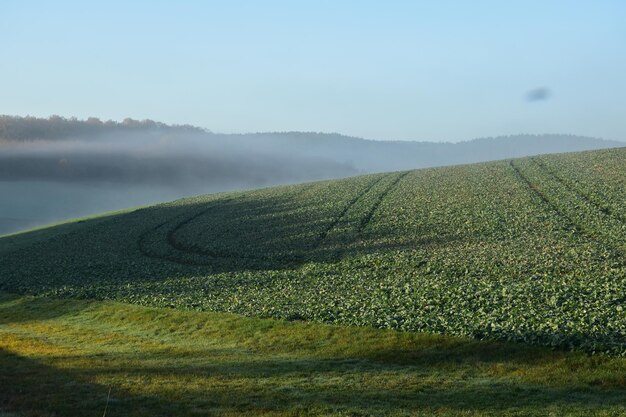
point(149, 151)
point(56, 127)
point(56, 168)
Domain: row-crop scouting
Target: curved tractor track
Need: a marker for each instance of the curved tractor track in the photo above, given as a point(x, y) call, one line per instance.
point(174, 250)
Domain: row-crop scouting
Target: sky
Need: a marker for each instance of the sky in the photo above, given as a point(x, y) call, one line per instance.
point(410, 70)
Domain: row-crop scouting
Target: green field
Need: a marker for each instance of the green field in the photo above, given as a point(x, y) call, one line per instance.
point(531, 251)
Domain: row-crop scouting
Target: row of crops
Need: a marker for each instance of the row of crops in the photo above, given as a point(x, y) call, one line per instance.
point(528, 250)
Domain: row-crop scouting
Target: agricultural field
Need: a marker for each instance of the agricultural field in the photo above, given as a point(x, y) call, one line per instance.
point(525, 256)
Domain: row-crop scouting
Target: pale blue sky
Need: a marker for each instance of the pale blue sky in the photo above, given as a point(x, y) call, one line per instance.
point(424, 70)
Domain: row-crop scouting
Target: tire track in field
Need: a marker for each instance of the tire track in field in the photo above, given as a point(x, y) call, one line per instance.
point(142, 237)
point(616, 253)
point(368, 217)
point(302, 190)
point(146, 251)
point(566, 183)
point(217, 254)
point(191, 249)
point(345, 210)
point(182, 249)
point(289, 260)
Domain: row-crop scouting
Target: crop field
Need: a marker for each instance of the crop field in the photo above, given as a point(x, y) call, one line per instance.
point(529, 250)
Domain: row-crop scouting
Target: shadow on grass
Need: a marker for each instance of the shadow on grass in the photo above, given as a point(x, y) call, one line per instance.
point(279, 385)
point(31, 388)
point(288, 368)
point(19, 309)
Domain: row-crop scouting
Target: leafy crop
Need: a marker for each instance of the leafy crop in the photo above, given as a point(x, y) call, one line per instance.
point(530, 250)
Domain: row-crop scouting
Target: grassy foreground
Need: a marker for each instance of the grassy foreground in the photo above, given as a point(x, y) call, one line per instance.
point(61, 358)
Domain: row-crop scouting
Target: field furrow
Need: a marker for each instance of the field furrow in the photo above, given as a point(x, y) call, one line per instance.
point(351, 204)
point(370, 213)
point(600, 175)
point(599, 202)
point(577, 212)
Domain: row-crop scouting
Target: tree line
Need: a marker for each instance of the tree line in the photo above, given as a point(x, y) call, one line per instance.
point(55, 127)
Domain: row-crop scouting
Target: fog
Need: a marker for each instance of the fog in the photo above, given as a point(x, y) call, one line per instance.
point(46, 181)
point(37, 203)
point(185, 159)
point(55, 169)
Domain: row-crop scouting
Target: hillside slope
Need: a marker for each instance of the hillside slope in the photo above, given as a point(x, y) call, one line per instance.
point(525, 250)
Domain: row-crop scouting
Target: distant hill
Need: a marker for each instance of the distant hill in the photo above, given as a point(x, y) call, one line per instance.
point(151, 152)
point(380, 156)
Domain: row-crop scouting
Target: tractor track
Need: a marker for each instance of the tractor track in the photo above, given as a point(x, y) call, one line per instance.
point(616, 253)
point(345, 210)
point(368, 217)
point(601, 208)
point(216, 255)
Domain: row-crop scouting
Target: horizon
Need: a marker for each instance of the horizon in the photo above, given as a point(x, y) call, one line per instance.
point(442, 72)
point(211, 131)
